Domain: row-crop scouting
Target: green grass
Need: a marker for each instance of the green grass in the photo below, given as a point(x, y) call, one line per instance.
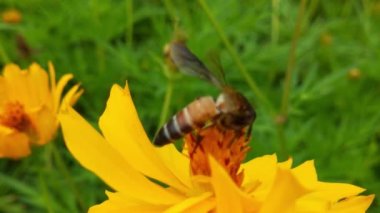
point(303, 75)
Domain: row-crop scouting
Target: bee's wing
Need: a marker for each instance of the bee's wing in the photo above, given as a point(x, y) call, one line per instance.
point(216, 66)
point(188, 63)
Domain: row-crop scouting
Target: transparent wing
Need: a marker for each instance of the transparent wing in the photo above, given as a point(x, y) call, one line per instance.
point(213, 59)
point(188, 63)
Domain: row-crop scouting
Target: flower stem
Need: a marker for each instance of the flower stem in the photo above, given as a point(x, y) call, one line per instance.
point(292, 60)
point(275, 21)
point(129, 34)
point(283, 152)
point(243, 71)
point(63, 168)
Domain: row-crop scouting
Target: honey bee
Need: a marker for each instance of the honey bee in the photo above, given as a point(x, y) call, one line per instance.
point(231, 110)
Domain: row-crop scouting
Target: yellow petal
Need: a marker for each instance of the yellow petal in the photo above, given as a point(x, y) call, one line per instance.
point(121, 126)
point(336, 191)
point(46, 124)
point(72, 95)
point(13, 144)
point(357, 204)
point(179, 166)
point(3, 91)
point(324, 195)
point(38, 87)
point(94, 153)
point(109, 207)
point(312, 204)
point(28, 87)
point(228, 196)
point(306, 174)
point(318, 202)
point(16, 84)
point(57, 93)
point(52, 77)
point(200, 203)
point(286, 164)
point(75, 97)
point(284, 193)
point(4, 130)
point(117, 202)
point(262, 169)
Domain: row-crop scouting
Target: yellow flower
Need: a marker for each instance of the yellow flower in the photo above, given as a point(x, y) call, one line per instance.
point(29, 107)
point(11, 16)
point(150, 179)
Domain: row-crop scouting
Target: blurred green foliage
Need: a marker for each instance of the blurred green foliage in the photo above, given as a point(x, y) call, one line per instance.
point(332, 114)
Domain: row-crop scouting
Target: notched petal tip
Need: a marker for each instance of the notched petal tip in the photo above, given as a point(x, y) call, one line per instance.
point(72, 96)
point(286, 164)
point(60, 85)
point(306, 174)
point(124, 90)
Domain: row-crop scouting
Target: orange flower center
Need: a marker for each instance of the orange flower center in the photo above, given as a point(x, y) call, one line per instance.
point(15, 117)
point(228, 147)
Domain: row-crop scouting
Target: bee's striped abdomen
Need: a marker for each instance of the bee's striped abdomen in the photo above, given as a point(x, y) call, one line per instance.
point(195, 115)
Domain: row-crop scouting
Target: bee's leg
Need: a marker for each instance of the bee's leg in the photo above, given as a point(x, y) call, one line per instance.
point(249, 131)
point(198, 139)
point(232, 139)
point(237, 135)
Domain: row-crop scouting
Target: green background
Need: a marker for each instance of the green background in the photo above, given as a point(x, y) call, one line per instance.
point(309, 50)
